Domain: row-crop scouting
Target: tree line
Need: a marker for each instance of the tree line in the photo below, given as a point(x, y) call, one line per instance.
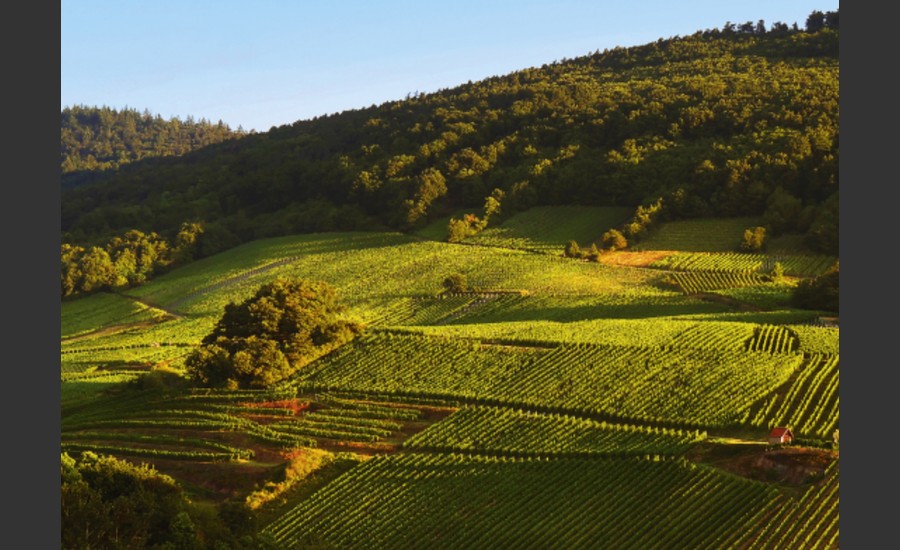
point(99, 139)
point(125, 261)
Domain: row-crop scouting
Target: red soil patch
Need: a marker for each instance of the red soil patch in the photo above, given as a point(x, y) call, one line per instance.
point(295, 405)
point(359, 446)
point(792, 466)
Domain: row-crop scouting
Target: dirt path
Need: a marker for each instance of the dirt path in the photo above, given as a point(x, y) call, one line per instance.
point(230, 281)
point(170, 314)
point(122, 327)
point(106, 331)
point(718, 298)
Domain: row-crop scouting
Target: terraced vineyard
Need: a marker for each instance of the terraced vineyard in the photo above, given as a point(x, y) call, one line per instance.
point(141, 424)
point(810, 522)
point(554, 405)
point(702, 281)
point(811, 403)
point(469, 501)
point(682, 386)
point(703, 235)
point(745, 263)
point(513, 432)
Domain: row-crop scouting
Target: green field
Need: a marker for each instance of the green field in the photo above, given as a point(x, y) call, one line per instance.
point(560, 403)
point(459, 501)
point(547, 229)
point(703, 235)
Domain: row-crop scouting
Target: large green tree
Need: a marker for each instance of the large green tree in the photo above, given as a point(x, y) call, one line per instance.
point(110, 503)
point(822, 292)
point(285, 325)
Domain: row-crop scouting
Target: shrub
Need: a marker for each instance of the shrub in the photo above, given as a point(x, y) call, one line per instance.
point(754, 239)
point(572, 250)
point(456, 283)
point(614, 240)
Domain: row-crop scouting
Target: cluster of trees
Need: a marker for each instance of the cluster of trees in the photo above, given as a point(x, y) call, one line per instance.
point(266, 338)
point(125, 261)
point(101, 138)
point(716, 124)
point(816, 21)
point(573, 250)
point(112, 503)
point(821, 293)
point(460, 228)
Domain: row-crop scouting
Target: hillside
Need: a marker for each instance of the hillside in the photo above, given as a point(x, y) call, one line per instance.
point(587, 385)
point(722, 123)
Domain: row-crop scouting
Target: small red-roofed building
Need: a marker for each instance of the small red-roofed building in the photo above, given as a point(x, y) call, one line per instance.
point(780, 436)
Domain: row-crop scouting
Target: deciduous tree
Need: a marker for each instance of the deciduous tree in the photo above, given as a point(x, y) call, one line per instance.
point(285, 325)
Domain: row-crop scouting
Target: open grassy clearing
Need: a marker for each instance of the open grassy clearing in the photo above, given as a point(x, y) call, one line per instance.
point(648, 303)
point(436, 230)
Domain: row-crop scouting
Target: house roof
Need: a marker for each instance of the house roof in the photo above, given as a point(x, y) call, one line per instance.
point(780, 432)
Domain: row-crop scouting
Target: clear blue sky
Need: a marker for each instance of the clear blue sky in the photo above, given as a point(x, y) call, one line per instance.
point(264, 63)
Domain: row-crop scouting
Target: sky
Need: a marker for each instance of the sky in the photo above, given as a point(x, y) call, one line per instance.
point(255, 64)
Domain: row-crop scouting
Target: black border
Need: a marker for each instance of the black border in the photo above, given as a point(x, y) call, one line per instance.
point(868, 393)
point(31, 230)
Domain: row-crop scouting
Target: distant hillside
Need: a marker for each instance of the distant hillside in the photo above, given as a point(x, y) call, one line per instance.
point(739, 121)
point(97, 139)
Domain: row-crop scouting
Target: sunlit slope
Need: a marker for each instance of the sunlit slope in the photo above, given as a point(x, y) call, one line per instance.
point(370, 269)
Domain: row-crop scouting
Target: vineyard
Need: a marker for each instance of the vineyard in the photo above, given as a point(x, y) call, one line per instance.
point(554, 405)
point(470, 501)
point(547, 229)
point(685, 386)
point(811, 402)
point(704, 235)
point(692, 282)
point(745, 263)
point(513, 432)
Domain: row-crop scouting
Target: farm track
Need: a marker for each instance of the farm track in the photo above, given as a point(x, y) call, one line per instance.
point(230, 281)
point(107, 331)
point(477, 303)
point(123, 327)
point(718, 298)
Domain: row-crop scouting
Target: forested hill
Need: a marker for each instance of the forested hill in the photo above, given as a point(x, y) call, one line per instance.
point(736, 121)
point(96, 139)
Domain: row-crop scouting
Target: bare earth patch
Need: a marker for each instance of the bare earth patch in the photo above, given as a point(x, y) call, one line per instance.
point(791, 466)
point(634, 259)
